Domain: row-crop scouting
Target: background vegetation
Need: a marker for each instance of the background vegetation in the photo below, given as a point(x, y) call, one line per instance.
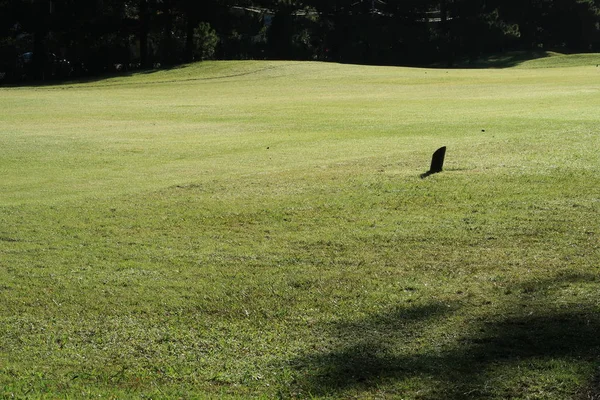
point(259, 229)
point(45, 39)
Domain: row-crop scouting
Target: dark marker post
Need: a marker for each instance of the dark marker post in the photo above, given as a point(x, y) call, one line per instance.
point(437, 162)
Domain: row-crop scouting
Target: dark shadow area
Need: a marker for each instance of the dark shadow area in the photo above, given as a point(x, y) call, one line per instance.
point(94, 79)
point(428, 173)
point(88, 78)
point(501, 60)
point(368, 354)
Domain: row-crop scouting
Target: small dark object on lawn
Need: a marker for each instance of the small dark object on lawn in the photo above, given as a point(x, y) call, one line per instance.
point(483, 130)
point(437, 162)
point(267, 147)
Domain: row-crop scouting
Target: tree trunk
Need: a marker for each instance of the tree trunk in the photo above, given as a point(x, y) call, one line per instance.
point(167, 45)
point(144, 33)
point(446, 34)
point(39, 61)
point(189, 34)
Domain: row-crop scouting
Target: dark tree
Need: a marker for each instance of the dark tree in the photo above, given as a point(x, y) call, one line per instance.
point(44, 39)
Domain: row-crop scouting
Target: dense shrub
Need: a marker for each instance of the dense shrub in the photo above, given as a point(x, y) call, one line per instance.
point(205, 41)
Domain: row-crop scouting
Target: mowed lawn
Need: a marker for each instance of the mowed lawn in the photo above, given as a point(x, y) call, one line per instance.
point(259, 229)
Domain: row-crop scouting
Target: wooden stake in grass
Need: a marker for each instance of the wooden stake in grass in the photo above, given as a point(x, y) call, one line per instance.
point(437, 162)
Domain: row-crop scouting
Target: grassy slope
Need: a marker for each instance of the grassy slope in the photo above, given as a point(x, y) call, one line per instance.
point(259, 228)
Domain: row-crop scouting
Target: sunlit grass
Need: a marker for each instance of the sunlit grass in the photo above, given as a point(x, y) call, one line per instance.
point(254, 229)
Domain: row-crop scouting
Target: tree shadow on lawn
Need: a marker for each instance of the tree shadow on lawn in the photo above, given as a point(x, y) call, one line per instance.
point(365, 357)
point(89, 79)
point(499, 61)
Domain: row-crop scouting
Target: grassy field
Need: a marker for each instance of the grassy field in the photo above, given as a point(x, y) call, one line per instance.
point(259, 229)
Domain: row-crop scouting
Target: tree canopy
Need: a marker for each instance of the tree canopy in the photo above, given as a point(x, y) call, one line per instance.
point(43, 39)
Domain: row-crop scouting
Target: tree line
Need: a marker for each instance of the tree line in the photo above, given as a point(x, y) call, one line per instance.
point(44, 39)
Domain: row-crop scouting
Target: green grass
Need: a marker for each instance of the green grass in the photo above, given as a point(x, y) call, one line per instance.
point(259, 229)
point(529, 59)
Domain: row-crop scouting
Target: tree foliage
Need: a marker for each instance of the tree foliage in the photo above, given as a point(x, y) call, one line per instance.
point(40, 39)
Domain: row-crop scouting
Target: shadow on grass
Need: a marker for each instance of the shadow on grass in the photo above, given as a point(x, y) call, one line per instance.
point(368, 353)
point(100, 77)
point(502, 60)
